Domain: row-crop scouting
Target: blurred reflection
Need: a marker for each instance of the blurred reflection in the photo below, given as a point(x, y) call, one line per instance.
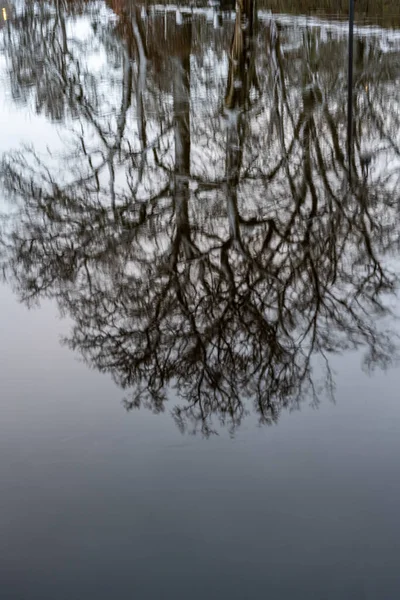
point(199, 226)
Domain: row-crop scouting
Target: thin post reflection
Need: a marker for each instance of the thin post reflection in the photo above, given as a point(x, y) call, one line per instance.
point(350, 85)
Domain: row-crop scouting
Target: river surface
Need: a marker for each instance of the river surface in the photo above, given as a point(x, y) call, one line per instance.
point(199, 262)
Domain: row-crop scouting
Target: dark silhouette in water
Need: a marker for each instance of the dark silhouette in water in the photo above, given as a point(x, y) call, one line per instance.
point(210, 246)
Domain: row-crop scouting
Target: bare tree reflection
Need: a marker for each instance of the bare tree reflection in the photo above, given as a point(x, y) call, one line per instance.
point(211, 255)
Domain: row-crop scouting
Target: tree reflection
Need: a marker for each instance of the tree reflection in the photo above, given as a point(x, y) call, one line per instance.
point(205, 252)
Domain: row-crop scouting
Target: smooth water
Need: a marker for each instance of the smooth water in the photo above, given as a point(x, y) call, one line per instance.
point(199, 304)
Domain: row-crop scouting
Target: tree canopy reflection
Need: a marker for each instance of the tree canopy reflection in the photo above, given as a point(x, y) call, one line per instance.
point(199, 227)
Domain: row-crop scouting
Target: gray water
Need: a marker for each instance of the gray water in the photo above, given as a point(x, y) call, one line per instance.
point(199, 347)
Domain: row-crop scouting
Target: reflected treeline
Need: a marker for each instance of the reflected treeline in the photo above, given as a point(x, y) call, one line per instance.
point(198, 224)
point(373, 10)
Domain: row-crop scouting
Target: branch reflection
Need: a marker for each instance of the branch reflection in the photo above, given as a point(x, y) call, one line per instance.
point(199, 228)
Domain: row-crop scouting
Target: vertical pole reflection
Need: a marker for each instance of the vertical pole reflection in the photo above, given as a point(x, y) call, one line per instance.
point(350, 84)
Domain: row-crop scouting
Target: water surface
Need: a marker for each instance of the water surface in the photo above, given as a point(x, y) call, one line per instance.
point(192, 243)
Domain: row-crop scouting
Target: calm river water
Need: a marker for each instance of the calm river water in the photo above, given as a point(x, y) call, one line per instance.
point(199, 357)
